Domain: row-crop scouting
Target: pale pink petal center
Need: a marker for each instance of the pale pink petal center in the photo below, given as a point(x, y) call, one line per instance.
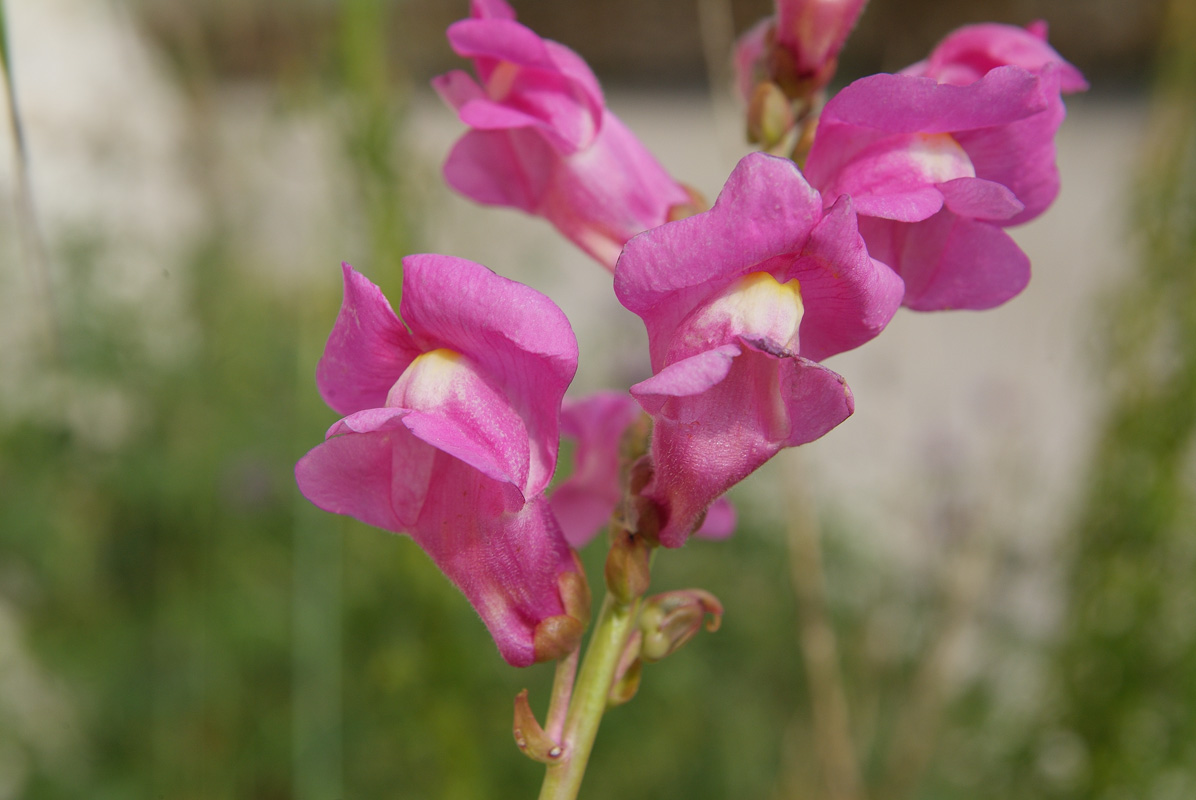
point(756, 308)
point(463, 415)
point(939, 157)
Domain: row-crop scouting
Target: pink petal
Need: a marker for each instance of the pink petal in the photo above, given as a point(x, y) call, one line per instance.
point(516, 336)
point(456, 88)
point(949, 262)
point(506, 559)
point(504, 555)
point(457, 410)
point(703, 444)
point(1021, 156)
point(969, 53)
point(765, 209)
point(584, 502)
point(367, 350)
point(575, 67)
point(686, 378)
point(980, 199)
point(904, 104)
point(815, 30)
point(504, 168)
point(849, 297)
point(887, 175)
point(491, 9)
point(720, 521)
point(378, 477)
point(544, 82)
point(543, 142)
point(498, 40)
point(748, 58)
point(603, 196)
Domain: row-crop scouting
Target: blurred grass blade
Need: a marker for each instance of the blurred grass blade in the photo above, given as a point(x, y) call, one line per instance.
point(30, 231)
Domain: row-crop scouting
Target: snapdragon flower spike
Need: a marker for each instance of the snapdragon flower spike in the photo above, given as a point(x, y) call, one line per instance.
point(543, 141)
point(450, 434)
point(739, 302)
point(584, 502)
point(937, 168)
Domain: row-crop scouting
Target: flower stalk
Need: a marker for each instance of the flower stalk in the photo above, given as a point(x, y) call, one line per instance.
point(616, 622)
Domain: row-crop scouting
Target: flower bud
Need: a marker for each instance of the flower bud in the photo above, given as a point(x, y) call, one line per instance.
point(813, 32)
point(770, 115)
point(628, 672)
point(627, 567)
point(671, 619)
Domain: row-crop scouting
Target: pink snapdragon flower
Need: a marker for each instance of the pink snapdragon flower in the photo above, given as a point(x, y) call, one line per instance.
point(971, 52)
point(940, 158)
point(738, 302)
point(585, 501)
point(543, 141)
point(797, 48)
point(450, 434)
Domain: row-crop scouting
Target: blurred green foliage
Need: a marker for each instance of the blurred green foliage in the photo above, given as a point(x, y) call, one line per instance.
point(1128, 662)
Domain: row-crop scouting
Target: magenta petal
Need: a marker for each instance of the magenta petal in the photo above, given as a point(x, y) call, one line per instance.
point(907, 206)
point(491, 9)
point(541, 140)
point(507, 562)
point(720, 521)
point(498, 40)
point(704, 444)
point(484, 114)
point(949, 262)
point(1020, 156)
point(370, 420)
point(748, 57)
point(505, 168)
point(980, 199)
point(968, 53)
point(514, 334)
point(849, 297)
point(539, 83)
point(816, 398)
point(576, 69)
point(887, 175)
point(367, 350)
point(584, 502)
point(686, 378)
point(603, 196)
point(814, 30)
point(379, 478)
point(906, 104)
point(766, 209)
point(456, 88)
point(498, 451)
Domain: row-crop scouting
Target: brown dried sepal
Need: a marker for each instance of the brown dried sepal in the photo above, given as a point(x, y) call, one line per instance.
point(530, 738)
point(558, 636)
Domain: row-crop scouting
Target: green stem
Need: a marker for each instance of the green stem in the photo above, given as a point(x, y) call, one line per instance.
point(615, 624)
